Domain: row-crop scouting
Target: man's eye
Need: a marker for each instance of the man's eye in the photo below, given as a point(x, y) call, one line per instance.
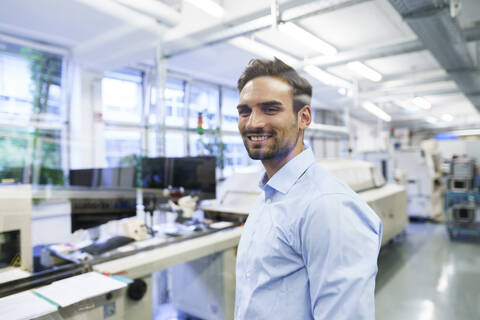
point(271, 110)
point(243, 112)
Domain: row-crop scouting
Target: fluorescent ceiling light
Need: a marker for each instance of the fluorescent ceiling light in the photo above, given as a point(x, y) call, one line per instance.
point(262, 50)
point(373, 109)
point(422, 103)
point(469, 132)
point(364, 71)
point(326, 77)
point(431, 120)
point(407, 105)
point(209, 6)
point(447, 117)
point(307, 38)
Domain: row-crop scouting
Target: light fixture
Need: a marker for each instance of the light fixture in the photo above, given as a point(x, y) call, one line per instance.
point(342, 91)
point(431, 120)
point(447, 117)
point(379, 113)
point(364, 71)
point(307, 38)
point(422, 103)
point(262, 50)
point(326, 77)
point(209, 6)
point(468, 132)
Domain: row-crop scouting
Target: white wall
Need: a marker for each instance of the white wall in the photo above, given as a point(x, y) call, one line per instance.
point(367, 137)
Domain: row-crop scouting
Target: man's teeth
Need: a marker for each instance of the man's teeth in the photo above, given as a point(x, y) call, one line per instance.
point(258, 138)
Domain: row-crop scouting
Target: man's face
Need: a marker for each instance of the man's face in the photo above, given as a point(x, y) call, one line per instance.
point(268, 126)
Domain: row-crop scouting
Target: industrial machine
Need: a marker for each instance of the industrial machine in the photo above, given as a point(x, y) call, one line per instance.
point(425, 186)
point(462, 175)
point(462, 200)
point(15, 226)
point(238, 193)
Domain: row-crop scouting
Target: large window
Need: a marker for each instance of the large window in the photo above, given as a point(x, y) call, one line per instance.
point(122, 112)
point(204, 101)
point(32, 117)
point(229, 110)
point(121, 100)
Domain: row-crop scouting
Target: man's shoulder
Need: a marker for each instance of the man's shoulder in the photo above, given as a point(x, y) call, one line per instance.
point(320, 182)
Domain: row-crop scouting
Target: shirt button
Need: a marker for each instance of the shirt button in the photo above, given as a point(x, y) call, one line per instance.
point(269, 200)
point(247, 275)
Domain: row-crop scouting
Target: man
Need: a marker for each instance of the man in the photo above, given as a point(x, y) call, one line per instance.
point(310, 245)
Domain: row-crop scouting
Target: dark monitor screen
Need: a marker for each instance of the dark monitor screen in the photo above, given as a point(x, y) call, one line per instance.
point(83, 177)
point(104, 178)
point(154, 173)
point(195, 174)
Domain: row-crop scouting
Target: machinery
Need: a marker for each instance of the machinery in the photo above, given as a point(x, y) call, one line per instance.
point(15, 227)
point(425, 186)
point(462, 175)
point(238, 193)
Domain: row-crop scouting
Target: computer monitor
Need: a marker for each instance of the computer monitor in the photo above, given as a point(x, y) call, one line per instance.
point(195, 174)
point(84, 177)
point(105, 178)
point(154, 173)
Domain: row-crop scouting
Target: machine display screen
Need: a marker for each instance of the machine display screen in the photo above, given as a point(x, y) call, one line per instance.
point(9, 248)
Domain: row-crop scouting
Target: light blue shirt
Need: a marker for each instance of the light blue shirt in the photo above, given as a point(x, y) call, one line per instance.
point(308, 250)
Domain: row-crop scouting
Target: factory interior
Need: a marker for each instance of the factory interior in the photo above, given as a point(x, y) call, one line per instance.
point(125, 183)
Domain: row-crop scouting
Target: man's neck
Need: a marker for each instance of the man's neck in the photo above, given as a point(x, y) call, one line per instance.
point(273, 165)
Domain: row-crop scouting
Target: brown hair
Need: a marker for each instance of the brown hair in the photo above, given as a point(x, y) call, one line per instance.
point(302, 89)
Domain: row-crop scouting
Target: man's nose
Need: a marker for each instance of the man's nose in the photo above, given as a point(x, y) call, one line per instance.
point(255, 120)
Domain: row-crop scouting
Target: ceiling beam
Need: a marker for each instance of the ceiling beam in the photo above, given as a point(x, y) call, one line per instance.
point(442, 36)
point(260, 20)
point(416, 78)
point(470, 35)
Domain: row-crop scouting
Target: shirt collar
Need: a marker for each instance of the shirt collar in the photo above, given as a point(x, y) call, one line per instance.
point(284, 179)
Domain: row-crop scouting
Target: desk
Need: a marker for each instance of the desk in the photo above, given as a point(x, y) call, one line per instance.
point(143, 264)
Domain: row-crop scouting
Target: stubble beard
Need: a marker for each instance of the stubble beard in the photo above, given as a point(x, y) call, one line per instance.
point(276, 152)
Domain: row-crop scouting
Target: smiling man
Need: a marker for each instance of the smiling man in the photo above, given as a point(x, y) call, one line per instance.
point(310, 244)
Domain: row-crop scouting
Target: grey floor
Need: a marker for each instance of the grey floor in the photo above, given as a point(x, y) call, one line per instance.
point(426, 276)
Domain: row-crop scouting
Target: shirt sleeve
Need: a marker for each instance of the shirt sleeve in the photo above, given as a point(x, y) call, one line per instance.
point(340, 241)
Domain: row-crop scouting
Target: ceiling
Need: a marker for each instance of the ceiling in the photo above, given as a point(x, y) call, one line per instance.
point(106, 35)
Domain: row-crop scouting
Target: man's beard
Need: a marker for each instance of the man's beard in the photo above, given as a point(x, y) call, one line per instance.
point(275, 152)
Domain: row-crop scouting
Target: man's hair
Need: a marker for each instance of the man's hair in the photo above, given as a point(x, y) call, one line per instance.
point(301, 88)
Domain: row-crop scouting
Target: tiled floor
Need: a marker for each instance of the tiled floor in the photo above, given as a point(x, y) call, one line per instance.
point(425, 276)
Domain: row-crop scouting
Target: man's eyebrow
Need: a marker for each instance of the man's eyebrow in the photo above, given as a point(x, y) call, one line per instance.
point(242, 106)
point(270, 103)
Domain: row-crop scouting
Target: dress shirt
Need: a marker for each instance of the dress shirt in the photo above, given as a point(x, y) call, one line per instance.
point(308, 250)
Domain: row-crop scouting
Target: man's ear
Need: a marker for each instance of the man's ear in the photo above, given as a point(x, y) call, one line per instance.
point(304, 117)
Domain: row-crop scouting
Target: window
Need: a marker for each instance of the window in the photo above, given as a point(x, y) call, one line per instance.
point(121, 100)
point(174, 104)
point(203, 100)
point(229, 110)
point(122, 112)
point(174, 144)
point(32, 116)
point(120, 144)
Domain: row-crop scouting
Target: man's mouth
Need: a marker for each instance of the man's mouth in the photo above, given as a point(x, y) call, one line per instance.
point(258, 138)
